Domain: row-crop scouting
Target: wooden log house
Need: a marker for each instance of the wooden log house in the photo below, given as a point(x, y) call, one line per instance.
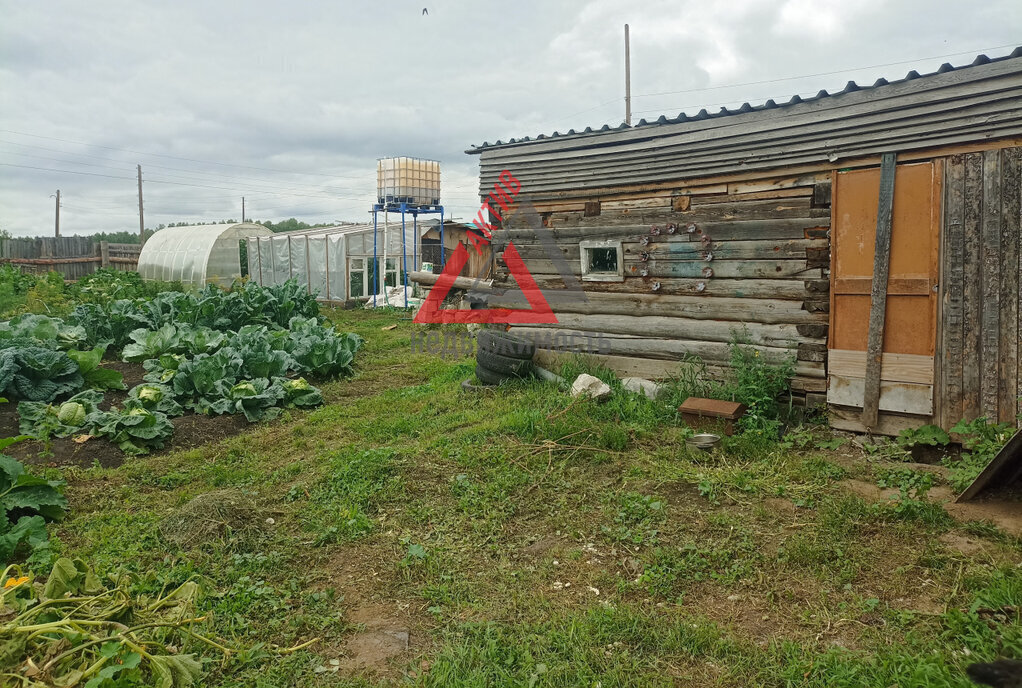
point(763, 223)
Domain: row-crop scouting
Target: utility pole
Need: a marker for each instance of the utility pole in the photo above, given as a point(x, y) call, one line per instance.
point(56, 216)
point(243, 209)
point(628, 81)
point(141, 217)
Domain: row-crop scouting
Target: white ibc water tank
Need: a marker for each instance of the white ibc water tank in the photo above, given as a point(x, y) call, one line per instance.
point(408, 180)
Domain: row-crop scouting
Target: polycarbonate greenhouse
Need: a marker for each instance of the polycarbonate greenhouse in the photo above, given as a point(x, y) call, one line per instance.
point(337, 262)
point(197, 255)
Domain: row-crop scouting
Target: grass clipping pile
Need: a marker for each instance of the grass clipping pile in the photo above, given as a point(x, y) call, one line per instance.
point(223, 517)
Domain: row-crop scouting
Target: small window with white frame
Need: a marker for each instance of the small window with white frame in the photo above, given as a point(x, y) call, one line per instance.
point(602, 261)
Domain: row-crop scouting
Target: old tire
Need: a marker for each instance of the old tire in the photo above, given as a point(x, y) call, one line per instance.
point(503, 365)
point(467, 386)
point(488, 377)
point(505, 344)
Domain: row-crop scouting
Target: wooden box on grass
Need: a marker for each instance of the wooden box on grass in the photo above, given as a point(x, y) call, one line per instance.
point(711, 414)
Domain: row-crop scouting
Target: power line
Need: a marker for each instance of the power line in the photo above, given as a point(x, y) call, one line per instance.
point(163, 181)
point(195, 173)
point(69, 162)
point(173, 157)
point(189, 176)
point(50, 169)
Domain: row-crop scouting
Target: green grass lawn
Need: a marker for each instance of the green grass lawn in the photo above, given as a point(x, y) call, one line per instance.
point(430, 536)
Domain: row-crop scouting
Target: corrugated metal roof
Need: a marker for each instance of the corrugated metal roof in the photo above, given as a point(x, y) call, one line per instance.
point(974, 104)
point(703, 114)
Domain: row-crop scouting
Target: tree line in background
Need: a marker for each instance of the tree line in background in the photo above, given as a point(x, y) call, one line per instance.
point(126, 237)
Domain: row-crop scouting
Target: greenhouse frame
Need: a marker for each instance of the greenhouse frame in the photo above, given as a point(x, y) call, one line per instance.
point(337, 262)
point(197, 255)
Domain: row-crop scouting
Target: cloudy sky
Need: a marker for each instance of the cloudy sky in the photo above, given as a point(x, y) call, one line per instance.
point(290, 103)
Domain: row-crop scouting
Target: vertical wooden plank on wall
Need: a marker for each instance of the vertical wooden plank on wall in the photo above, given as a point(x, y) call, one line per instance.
point(1011, 284)
point(878, 297)
point(953, 281)
point(973, 276)
point(990, 252)
point(938, 199)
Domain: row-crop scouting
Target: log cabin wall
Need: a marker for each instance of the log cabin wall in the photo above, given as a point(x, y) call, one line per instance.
point(754, 182)
point(702, 266)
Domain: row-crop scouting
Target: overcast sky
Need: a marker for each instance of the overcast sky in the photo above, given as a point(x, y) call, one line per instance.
point(290, 103)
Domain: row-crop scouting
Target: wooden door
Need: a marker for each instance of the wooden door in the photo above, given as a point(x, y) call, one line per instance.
point(910, 325)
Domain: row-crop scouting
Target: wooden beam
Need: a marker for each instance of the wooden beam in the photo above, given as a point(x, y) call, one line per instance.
point(1004, 470)
point(50, 261)
point(658, 369)
point(762, 224)
point(610, 344)
point(459, 282)
point(697, 307)
point(1011, 186)
point(973, 198)
point(794, 289)
point(914, 286)
point(990, 252)
point(701, 200)
point(953, 287)
point(894, 368)
point(1019, 370)
point(783, 336)
point(899, 397)
point(878, 297)
point(757, 269)
point(850, 420)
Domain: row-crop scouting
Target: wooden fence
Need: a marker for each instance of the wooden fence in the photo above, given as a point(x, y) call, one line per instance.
point(74, 256)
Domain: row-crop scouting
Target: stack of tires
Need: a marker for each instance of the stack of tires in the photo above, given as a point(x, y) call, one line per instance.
point(501, 356)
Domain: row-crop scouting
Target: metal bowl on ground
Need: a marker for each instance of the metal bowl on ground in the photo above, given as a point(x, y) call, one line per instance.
point(704, 441)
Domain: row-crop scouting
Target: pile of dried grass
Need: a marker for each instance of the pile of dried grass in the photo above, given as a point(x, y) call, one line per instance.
point(220, 517)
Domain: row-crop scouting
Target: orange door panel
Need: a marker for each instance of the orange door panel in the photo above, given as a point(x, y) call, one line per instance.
point(910, 322)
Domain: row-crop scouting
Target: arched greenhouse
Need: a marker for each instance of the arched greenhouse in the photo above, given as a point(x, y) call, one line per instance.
point(197, 255)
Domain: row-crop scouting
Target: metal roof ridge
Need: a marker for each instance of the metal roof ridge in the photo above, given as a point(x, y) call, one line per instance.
point(746, 107)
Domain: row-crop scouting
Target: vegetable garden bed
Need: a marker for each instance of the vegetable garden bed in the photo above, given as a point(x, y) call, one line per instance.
point(205, 359)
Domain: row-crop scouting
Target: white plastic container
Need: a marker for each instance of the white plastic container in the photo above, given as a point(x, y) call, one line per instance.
point(408, 180)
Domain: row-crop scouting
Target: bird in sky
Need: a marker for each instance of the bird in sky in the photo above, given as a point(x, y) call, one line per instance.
point(425, 11)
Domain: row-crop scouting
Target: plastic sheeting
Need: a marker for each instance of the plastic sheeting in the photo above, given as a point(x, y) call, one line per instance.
point(197, 254)
point(318, 259)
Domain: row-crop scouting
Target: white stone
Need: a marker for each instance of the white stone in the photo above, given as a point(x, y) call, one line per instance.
point(640, 385)
point(590, 386)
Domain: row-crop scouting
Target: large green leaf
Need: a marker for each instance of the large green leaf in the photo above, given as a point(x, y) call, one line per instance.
point(94, 375)
point(175, 671)
point(135, 430)
point(153, 396)
point(256, 399)
point(146, 344)
point(8, 441)
point(24, 494)
point(43, 374)
point(10, 470)
point(29, 529)
point(41, 420)
point(8, 368)
point(299, 393)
